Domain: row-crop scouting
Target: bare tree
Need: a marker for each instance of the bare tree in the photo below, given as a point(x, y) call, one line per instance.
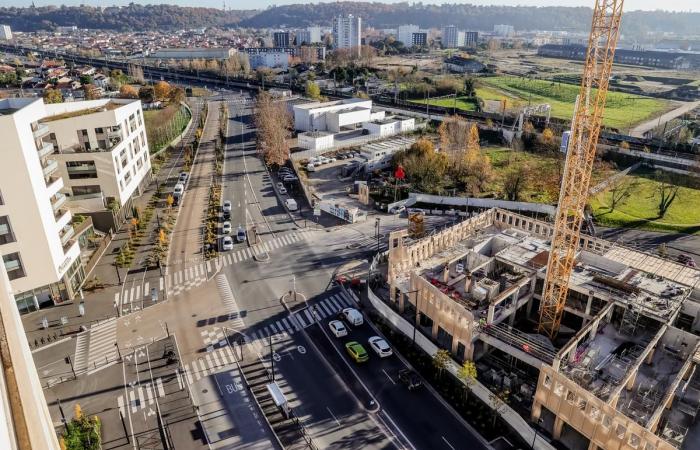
point(516, 180)
point(620, 191)
point(273, 122)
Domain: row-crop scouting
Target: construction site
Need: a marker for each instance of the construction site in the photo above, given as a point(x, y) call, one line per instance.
point(593, 342)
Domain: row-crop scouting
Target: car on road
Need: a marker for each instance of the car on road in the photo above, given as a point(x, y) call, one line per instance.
point(323, 160)
point(179, 189)
point(356, 351)
point(331, 160)
point(410, 379)
point(398, 209)
point(338, 328)
point(183, 177)
point(380, 346)
point(226, 207)
point(352, 316)
point(284, 171)
point(289, 178)
point(226, 227)
point(240, 235)
point(227, 243)
point(283, 190)
point(291, 204)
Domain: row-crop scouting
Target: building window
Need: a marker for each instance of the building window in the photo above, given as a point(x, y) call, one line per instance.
point(116, 164)
point(6, 234)
point(85, 190)
point(621, 431)
point(78, 170)
point(143, 139)
point(13, 265)
point(607, 421)
point(558, 389)
point(570, 397)
point(547, 381)
point(634, 440)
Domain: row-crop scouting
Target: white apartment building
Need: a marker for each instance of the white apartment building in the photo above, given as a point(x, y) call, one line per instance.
point(334, 115)
point(36, 236)
point(5, 32)
point(504, 30)
point(390, 126)
point(347, 32)
point(102, 152)
point(405, 34)
point(451, 37)
point(277, 59)
point(25, 421)
point(314, 34)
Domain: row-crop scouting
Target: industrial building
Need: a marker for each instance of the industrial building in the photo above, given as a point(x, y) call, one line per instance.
point(658, 59)
point(390, 126)
point(335, 115)
point(622, 371)
point(193, 53)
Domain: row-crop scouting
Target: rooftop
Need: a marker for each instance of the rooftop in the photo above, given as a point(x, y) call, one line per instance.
point(109, 106)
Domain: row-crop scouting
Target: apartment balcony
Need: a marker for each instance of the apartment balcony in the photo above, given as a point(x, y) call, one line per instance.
point(40, 131)
point(57, 201)
point(53, 184)
point(63, 217)
point(66, 234)
point(50, 167)
point(45, 149)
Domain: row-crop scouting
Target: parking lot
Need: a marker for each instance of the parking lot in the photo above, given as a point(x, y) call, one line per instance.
point(327, 182)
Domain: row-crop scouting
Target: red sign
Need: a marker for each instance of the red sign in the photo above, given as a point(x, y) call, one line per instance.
point(399, 174)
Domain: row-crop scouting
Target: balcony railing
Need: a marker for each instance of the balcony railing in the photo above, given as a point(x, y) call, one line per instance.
point(57, 201)
point(66, 234)
point(50, 167)
point(41, 130)
point(45, 149)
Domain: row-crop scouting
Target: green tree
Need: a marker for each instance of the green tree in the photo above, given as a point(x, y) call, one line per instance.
point(467, 373)
point(8, 78)
point(86, 79)
point(147, 94)
point(313, 90)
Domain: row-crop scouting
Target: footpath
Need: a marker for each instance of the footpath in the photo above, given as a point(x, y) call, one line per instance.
point(106, 299)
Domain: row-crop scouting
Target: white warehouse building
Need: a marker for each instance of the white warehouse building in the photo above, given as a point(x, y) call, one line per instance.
point(37, 243)
point(390, 126)
point(102, 152)
point(315, 140)
point(335, 115)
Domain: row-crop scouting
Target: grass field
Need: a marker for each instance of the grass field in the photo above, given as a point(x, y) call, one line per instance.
point(622, 110)
point(543, 183)
point(462, 103)
point(639, 210)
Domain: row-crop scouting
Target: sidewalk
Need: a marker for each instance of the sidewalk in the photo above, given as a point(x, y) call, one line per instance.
point(99, 304)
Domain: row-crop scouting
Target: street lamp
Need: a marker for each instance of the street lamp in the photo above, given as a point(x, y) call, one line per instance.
point(535, 425)
point(376, 225)
point(415, 320)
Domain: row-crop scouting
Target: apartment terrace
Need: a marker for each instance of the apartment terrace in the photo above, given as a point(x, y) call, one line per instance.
point(109, 106)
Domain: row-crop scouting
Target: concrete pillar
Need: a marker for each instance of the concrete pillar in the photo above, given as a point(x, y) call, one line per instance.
point(650, 356)
point(630, 383)
point(536, 411)
point(511, 319)
point(489, 317)
point(589, 304)
point(594, 330)
point(402, 301)
point(435, 328)
point(558, 426)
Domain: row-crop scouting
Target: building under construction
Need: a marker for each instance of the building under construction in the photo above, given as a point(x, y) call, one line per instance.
point(621, 372)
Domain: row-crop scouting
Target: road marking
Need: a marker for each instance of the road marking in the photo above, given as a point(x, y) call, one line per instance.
point(333, 416)
point(286, 325)
point(149, 393)
point(179, 379)
point(227, 355)
point(210, 362)
point(326, 308)
point(120, 404)
point(138, 292)
point(335, 303)
point(146, 288)
point(132, 400)
point(161, 389)
point(203, 366)
point(188, 376)
point(390, 379)
point(116, 298)
point(209, 266)
point(299, 319)
point(215, 357)
point(447, 442)
point(273, 328)
point(308, 316)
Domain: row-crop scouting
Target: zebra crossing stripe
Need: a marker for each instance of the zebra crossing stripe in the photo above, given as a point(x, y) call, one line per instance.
point(347, 301)
point(228, 352)
point(309, 317)
point(215, 357)
point(209, 266)
point(161, 389)
point(286, 325)
point(326, 308)
point(120, 404)
point(146, 288)
point(248, 253)
point(132, 400)
point(295, 323)
point(302, 324)
point(203, 367)
point(334, 302)
point(179, 379)
point(138, 292)
point(188, 376)
point(116, 298)
point(142, 397)
point(125, 299)
point(235, 257)
point(273, 328)
point(149, 393)
point(266, 332)
point(209, 362)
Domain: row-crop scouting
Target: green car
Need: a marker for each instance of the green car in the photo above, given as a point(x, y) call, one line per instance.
point(356, 351)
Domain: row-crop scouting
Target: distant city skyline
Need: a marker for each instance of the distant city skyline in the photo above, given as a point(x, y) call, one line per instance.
point(630, 5)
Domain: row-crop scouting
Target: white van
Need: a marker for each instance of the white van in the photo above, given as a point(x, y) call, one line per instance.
point(291, 204)
point(353, 317)
point(179, 189)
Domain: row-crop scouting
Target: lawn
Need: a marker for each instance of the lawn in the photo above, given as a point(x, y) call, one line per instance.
point(462, 103)
point(622, 110)
point(164, 125)
point(543, 183)
point(639, 210)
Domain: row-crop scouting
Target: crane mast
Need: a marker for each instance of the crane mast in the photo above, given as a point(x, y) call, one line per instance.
point(585, 128)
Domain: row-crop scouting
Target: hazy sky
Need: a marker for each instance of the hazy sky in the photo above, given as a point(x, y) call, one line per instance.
point(676, 5)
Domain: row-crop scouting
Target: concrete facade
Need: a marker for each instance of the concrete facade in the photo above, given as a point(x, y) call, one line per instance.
point(37, 242)
point(390, 126)
point(623, 373)
point(347, 32)
point(331, 116)
point(193, 53)
point(315, 140)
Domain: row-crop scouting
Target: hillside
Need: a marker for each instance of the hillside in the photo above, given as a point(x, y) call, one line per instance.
point(133, 17)
point(635, 24)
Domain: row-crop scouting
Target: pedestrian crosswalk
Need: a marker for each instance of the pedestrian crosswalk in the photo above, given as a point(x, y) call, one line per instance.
point(211, 362)
point(141, 396)
point(229, 301)
point(96, 347)
point(137, 295)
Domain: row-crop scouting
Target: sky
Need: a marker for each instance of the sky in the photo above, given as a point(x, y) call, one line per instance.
point(675, 5)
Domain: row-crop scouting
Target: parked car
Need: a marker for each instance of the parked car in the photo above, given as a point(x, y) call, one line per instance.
point(226, 207)
point(183, 177)
point(283, 190)
point(240, 234)
point(227, 243)
point(410, 379)
point(352, 316)
point(380, 346)
point(290, 178)
point(341, 156)
point(226, 228)
point(179, 189)
point(285, 171)
point(356, 351)
point(291, 204)
point(398, 209)
point(310, 168)
point(338, 328)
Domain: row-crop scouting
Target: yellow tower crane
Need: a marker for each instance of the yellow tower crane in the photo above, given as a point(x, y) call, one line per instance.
point(581, 148)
